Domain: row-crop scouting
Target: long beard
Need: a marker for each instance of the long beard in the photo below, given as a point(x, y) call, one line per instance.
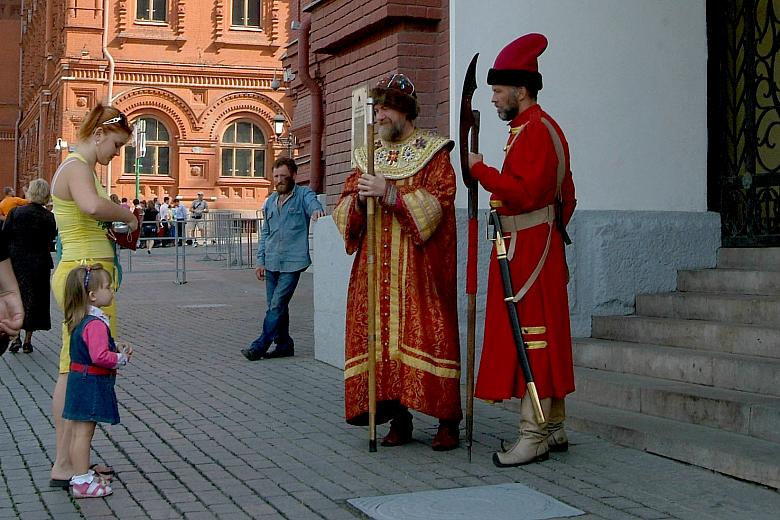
point(391, 132)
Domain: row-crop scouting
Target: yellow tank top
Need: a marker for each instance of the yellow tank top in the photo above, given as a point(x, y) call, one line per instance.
point(82, 236)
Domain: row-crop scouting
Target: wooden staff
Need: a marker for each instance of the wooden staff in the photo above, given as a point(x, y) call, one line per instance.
point(370, 267)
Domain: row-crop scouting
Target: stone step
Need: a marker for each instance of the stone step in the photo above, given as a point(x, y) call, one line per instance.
point(758, 258)
point(716, 369)
point(740, 456)
point(735, 308)
point(739, 412)
point(730, 281)
point(734, 338)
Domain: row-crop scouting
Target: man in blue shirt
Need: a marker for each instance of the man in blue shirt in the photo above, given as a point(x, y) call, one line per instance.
point(180, 214)
point(282, 255)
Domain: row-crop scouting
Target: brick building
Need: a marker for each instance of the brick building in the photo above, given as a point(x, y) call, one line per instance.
point(204, 76)
point(346, 44)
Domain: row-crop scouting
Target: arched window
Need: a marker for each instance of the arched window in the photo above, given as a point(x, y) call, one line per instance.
point(156, 161)
point(243, 150)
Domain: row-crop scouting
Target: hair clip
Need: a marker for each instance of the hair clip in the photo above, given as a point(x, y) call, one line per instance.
point(115, 119)
point(86, 277)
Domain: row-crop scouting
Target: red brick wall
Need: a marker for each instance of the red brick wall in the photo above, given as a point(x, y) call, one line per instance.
point(357, 44)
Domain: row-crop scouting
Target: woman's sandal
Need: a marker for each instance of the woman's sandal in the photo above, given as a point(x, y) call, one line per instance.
point(96, 489)
point(15, 345)
point(106, 473)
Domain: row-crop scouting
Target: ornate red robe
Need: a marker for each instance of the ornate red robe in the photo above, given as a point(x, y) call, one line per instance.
point(418, 355)
point(527, 182)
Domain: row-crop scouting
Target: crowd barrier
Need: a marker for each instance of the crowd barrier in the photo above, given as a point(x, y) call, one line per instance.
point(221, 236)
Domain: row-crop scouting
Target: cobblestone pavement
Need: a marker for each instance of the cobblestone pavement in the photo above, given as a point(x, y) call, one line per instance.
point(207, 434)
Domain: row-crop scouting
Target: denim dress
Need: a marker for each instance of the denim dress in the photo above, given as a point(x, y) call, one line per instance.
point(89, 397)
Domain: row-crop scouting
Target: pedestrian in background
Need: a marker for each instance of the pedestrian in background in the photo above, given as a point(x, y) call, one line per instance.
point(30, 230)
point(151, 217)
point(94, 359)
point(180, 214)
point(10, 201)
point(198, 209)
point(164, 217)
point(282, 255)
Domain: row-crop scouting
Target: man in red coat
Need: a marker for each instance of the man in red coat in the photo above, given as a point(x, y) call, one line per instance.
point(534, 196)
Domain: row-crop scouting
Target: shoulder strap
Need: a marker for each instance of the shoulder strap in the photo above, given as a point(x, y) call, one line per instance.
point(556, 139)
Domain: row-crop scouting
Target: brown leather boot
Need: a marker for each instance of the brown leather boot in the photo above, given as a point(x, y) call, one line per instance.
point(447, 438)
point(400, 430)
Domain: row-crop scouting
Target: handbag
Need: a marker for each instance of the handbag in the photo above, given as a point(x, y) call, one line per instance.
point(125, 239)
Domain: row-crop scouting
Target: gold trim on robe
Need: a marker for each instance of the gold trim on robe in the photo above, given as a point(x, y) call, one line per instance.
point(403, 159)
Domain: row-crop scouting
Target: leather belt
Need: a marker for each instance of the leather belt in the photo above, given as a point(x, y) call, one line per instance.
point(91, 370)
point(513, 223)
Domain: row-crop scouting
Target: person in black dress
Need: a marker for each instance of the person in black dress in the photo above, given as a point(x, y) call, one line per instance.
point(151, 218)
point(30, 230)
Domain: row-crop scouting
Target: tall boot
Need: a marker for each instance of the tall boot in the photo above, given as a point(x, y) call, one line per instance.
point(557, 440)
point(532, 444)
point(400, 429)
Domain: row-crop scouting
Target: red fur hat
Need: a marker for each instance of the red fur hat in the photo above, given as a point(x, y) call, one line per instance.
point(516, 64)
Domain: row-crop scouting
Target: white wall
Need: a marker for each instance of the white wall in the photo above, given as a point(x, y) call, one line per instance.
point(625, 79)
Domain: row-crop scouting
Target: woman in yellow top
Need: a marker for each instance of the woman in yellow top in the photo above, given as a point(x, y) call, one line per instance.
point(81, 206)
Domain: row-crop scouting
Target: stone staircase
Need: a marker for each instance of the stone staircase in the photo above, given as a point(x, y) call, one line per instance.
point(694, 375)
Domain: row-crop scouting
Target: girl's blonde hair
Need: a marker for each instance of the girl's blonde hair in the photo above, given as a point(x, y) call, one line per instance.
point(108, 118)
point(79, 283)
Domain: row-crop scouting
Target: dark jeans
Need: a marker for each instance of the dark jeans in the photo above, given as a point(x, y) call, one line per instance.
point(178, 232)
point(279, 288)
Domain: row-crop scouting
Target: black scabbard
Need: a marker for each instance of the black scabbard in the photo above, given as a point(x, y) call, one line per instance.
point(514, 318)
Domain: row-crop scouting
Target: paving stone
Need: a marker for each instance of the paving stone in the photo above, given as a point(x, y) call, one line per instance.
point(217, 431)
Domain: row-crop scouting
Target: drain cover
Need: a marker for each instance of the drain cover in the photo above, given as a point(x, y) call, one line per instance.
point(499, 502)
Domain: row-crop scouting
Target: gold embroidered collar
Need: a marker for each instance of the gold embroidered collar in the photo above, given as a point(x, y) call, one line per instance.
point(403, 159)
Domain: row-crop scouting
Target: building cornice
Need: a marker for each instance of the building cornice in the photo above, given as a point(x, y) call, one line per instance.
point(172, 75)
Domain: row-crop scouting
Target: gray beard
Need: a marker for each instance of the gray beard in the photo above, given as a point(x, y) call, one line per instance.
point(508, 114)
point(390, 133)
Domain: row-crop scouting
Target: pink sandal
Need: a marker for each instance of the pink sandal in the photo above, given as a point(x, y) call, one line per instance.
point(96, 489)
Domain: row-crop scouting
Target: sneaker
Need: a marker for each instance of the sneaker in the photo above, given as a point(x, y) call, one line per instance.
point(195, 244)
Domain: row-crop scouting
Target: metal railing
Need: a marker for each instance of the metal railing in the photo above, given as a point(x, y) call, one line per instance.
point(221, 236)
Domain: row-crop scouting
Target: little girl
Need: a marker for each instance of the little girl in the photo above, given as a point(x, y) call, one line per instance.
point(90, 395)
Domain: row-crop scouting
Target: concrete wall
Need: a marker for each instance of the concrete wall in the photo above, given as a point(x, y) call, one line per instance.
point(625, 79)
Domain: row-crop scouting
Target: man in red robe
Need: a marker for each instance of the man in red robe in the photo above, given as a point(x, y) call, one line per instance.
point(417, 345)
point(534, 196)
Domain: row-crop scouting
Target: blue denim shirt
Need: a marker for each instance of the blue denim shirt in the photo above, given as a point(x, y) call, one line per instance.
point(284, 239)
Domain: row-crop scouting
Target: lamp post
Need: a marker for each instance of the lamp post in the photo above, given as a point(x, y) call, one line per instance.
point(140, 151)
point(290, 140)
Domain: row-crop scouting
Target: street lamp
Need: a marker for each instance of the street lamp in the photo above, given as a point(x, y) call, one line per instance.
point(290, 140)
